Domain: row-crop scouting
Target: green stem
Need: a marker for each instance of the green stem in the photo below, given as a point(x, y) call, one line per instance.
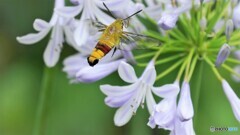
point(231, 60)
point(45, 94)
point(220, 78)
point(194, 62)
point(169, 69)
point(230, 70)
point(144, 55)
point(188, 64)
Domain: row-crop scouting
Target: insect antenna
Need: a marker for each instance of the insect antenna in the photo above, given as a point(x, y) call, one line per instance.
point(133, 14)
point(109, 10)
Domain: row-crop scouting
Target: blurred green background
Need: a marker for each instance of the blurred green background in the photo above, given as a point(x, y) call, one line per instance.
point(79, 109)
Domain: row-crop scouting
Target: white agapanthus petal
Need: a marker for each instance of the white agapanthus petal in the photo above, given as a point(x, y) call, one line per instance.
point(166, 91)
point(113, 4)
point(69, 36)
point(128, 55)
point(81, 34)
point(150, 101)
point(149, 76)
point(40, 25)
point(33, 37)
point(91, 74)
point(103, 17)
point(232, 98)
point(73, 64)
point(52, 52)
point(118, 91)
point(183, 128)
point(115, 102)
point(123, 114)
point(127, 73)
point(118, 95)
point(185, 107)
point(168, 21)
point(165, 113)
point(69, 12)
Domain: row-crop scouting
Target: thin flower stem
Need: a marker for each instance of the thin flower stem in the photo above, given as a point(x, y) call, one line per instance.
point(194, 62)
point(168, 59)
point(231, 60)
point(181, 70)
point(230, 70)
point(144, 55)
point(44, 96)
point(166, 72)
point(158, 53)
point(214, 69)
point(188, 64)
point(162, 61)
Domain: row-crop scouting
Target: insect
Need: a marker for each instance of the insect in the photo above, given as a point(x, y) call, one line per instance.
point(110, 39)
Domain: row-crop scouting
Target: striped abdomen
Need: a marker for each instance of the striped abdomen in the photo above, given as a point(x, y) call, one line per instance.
point(100, 50)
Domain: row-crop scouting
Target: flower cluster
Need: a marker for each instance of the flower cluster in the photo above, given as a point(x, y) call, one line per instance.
point(192, 33)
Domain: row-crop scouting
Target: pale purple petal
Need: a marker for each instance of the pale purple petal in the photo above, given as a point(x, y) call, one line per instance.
point(40, 25)
point(119, 91)
point(183, 128)
point(69, 12)
point(168, 21)
point(149, 76)
point(113, 4)
point(150, 101)
point(118, 95)
point(73, 64)
point(166, 91)
point(123, 114)
point(165, 116)
point(232, 98)
point(52, 52)
point(185, 107)
point(92, 74)
point(128, 55)
point(33, 37)
point(127, 73)
point(102, 17)
point(82, 33)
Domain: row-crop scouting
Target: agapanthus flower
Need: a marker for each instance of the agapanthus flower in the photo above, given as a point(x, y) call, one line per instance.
point(59, 27)
point(129, 98)
point(172, 116)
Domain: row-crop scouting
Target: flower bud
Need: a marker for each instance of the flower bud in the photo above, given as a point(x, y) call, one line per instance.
point(229, 29)
point(168, 21)
point(223, 54)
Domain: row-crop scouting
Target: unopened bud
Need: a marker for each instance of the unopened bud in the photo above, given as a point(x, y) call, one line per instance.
point(203, 23)
point(168, 21)
point(229, 29)
point(223, 54)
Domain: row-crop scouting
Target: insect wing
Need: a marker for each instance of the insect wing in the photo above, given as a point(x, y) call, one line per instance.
point(130, 41)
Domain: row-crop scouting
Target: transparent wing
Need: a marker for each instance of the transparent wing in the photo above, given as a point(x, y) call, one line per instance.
point(130, 41)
